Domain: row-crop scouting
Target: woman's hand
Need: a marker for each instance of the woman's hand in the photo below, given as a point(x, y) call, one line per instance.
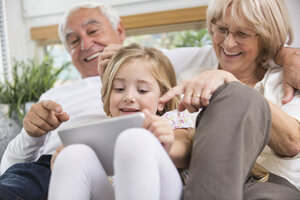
point(58, 150)
point(160, 127)
point(198, 90)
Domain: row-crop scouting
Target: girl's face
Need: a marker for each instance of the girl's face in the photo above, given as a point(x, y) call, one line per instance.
point(134, 89)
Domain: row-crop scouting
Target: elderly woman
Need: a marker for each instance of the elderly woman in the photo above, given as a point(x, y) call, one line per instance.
point(234, 127)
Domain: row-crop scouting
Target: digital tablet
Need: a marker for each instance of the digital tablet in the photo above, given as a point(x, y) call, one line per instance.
point(101, 136)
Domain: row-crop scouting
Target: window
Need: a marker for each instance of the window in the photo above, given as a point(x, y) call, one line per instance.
point(170, 40)
point(4, 54)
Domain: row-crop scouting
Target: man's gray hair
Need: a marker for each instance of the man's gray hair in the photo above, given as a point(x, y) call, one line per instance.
point(109, 12)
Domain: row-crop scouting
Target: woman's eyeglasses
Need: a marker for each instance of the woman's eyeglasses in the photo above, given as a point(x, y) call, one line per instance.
point(223, 32)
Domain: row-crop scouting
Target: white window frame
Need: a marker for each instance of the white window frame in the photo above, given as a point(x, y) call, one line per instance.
point(5, 65)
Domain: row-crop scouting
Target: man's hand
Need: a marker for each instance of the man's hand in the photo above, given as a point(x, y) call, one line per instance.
point(43, 117)
point(289, 59)
point(105, 57)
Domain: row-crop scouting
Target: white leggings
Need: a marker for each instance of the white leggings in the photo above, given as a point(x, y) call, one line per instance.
point(142, 167)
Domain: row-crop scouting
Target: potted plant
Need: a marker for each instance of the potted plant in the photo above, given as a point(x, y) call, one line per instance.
point(29, 81)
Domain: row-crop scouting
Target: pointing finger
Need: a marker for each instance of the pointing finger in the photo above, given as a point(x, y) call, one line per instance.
point(51, 106)
point(177, 90)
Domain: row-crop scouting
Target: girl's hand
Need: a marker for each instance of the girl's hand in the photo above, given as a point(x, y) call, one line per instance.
point(198, 90)
point(58, 150)
point(160, 127)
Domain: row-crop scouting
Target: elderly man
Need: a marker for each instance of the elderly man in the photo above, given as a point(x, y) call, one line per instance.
point(86, 31)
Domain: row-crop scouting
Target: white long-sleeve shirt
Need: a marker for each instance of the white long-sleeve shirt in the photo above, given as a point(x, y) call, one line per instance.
point(80, 99)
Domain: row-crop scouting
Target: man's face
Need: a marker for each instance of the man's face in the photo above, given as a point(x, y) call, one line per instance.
point(87, 33)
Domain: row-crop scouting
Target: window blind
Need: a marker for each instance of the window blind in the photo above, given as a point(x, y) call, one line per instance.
point(4, 54)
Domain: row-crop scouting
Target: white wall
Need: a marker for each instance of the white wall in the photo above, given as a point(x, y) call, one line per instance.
point(25, 14)
point(47, 12)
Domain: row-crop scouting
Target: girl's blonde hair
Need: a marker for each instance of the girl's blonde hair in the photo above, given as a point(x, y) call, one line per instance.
point(155, 61)
point(268, 18)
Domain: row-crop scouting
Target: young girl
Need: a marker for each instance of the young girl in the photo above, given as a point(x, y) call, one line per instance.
point(134, 80)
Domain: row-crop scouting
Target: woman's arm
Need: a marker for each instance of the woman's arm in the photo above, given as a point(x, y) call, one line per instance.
point(180, 151)
point(285, 132)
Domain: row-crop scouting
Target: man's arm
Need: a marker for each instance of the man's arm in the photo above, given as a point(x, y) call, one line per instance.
point(42, 118)
point(22, 148)
point(289, 59)
point(186, 59)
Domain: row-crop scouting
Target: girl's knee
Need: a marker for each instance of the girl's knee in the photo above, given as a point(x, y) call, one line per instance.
point(242, 94)
point(75, 154)
point(134, 140)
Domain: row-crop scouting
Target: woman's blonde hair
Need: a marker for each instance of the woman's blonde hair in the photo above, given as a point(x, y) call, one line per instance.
point(155, 61)
point(268, 18)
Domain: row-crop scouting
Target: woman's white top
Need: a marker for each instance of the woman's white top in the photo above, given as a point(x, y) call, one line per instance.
point(271, 87)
